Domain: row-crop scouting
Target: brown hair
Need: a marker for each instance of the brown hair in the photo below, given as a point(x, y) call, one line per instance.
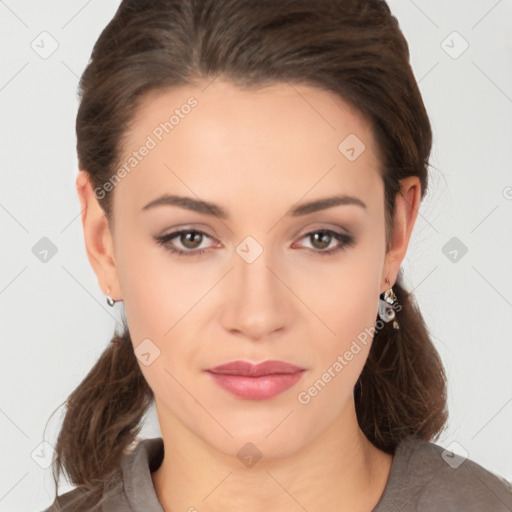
point(352, 48)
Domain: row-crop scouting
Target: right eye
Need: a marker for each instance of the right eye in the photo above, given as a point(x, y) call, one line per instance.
point(165, 241)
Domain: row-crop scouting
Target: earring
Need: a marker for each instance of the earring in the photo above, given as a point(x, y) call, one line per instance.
point(110, 300)
point(386, 311)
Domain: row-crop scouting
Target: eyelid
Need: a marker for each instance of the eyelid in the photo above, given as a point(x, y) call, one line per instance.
point(176, 233)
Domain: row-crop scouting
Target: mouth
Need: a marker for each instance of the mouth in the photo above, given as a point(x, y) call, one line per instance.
point(248, 369)
point(256, 382)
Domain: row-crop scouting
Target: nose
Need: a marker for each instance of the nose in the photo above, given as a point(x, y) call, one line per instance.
point(258, 302)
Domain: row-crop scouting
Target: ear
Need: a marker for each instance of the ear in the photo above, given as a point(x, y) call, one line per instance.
point(97, 236)
point(406, 212)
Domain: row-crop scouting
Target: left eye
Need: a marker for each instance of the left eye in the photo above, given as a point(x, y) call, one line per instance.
point(326, 236)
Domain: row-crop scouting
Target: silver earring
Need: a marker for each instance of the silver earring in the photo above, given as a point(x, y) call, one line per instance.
point(110, 300)
point(386, 311)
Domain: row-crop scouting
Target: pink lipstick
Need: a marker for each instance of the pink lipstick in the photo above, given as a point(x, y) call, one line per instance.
point(256, 382)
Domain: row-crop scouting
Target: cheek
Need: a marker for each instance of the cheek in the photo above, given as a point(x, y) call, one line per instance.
point(157, 291)
point(348, 298)
point(340, 356)
point(352, 322)
point(162, 301)
point(347, 305)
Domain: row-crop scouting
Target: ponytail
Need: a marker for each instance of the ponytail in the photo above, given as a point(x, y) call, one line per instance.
point(103, 418)
point(402, 388)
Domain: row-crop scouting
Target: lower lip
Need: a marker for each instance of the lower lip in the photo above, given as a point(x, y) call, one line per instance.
point(256, 388)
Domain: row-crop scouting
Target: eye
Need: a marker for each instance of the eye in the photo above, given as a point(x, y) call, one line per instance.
point(322, 238)
point(189, 242)
point(191, 239)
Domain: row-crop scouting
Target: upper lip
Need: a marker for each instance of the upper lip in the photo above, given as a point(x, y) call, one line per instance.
point(255, 370)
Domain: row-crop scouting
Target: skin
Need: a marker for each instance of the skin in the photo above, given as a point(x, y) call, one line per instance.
point(257, 154)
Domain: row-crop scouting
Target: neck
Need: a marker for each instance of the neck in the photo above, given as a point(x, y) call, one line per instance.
point(341, 470)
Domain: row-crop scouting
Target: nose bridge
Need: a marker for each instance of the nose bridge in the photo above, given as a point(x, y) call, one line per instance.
point(256, 302)
point(253, 263)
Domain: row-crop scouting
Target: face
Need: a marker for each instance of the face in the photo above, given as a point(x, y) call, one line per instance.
point(257, 282)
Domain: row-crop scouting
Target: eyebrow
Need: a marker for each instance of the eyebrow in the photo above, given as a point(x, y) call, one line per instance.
point(208, 208)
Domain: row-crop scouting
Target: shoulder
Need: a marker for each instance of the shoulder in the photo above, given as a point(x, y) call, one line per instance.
point(70, 500)
point(129, 489)
point(82, 500)
point(426, 477)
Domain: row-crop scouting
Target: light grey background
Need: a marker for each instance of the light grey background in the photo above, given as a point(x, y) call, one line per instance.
point(54, 318)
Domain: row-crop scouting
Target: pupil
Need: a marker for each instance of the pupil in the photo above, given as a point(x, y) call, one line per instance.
point(189, 238)
point(324, 244)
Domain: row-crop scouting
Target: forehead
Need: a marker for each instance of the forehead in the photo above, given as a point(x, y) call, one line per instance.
point(292, 139)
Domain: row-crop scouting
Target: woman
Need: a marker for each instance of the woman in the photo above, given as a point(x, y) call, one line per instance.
point(250, 176)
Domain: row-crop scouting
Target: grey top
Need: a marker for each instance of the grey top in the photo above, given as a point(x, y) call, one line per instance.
point(424, 477)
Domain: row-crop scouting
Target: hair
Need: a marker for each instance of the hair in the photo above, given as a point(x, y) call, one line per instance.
point(352, 48)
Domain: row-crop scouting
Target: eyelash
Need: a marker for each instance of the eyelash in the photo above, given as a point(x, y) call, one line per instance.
point(347, 241)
